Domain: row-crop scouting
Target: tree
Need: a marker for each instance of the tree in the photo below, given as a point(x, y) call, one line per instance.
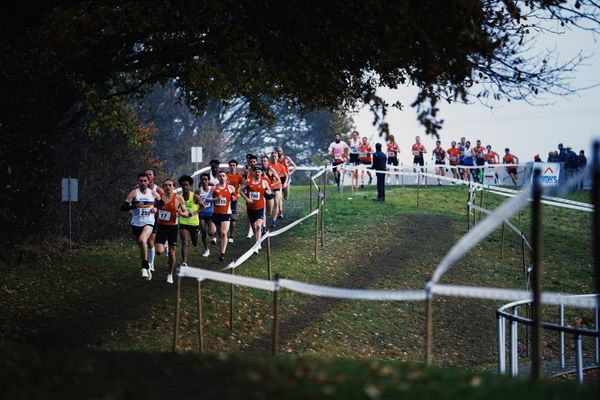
point(67, 62)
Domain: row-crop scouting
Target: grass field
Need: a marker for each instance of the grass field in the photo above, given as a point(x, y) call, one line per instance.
point(94, 302)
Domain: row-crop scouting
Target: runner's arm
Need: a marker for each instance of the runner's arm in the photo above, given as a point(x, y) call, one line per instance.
point(200, 203)
point(182, 208)
point(266, 187)
point(127, 203)
point(291, 164)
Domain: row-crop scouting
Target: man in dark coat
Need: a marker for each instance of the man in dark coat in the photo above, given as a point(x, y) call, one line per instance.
point(379, 165)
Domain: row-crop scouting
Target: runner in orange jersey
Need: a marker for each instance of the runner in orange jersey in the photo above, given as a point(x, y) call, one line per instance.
point(172, 205)
point(222, 195)
point(275, 184)
point(454, 158)
point(253, 191)
point(281, 173)
point(365, 152)
point(492, 158)
point(392, 157)
point(511, 159)
point(235, 180)
point(290, 167)
point(418, 151)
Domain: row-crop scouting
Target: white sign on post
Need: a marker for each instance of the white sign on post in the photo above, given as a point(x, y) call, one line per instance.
point(489, 176)
point(70, 187)
point(550, 173)
point(196, 154)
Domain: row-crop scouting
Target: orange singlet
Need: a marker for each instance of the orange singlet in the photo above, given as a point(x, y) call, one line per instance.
point(167, 215)
point(272, 181)
point(491, 157)
point(453, 155)
point(256, 193)
point(235, 180)
point(222, 200)
point(364, 152)
point(392, 150)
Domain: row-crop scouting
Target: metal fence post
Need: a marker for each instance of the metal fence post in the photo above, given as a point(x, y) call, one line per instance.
point(276, 315)
point(269, 260)
point(514, 346)
point(502, 242)
point(231, 303)
point(418, 186)
point(561, 337)
point(578, 358)
point(536, 237)
point(428, 324)
point(177, 305)
point(310, 184)
point(501, 346)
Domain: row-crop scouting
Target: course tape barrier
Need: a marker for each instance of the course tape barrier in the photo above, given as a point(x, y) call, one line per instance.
point(490, 223)
point(563, 204)
point(506, 221)
point(485, 293)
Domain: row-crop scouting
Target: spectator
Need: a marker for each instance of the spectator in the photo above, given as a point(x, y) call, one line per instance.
point(571, 162)
point(551, 157)
point(562, 153)
point(537, 158)
point(581, 165)
point(379, 165)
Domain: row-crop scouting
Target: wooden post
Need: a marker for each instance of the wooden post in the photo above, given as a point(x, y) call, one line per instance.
point(231, 302)
point(269, 256)
point(177, 305)
point(200, 329)
point(310, 184)
point(276, 316)
point(536, 238)
point(502, 242)
point(428, 326)
point(468, 208)
point(523, 255)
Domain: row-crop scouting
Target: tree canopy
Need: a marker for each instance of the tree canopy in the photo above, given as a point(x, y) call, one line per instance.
point(74, 65)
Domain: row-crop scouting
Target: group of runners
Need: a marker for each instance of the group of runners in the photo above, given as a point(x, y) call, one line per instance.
point(465, 161)
point(207, 214)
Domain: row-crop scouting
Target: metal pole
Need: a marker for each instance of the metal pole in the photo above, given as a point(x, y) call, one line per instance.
point(428, 325)
point(561, 338)
point(269, 255)
point(316, 233)
point(200, 330)
point(310, 184)
point(523, 254)
point(418, 185)
point(536, 238)
point(468, 208)
point(514, 346)
point(501, 346)
point(596, 231)
point(323, 210)
point(579, 359)
point(276, 316)
point(473, 200)
point(480, 204)
point(231, 303)
point(177, 303)
point(502, 242)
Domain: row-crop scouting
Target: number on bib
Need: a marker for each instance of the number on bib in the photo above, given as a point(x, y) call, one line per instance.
point(391, 154)
point(220, 201)
point(254, 196)
point(164, 215)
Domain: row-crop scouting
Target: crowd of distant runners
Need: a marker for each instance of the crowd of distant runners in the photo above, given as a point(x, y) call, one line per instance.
point(207, 214)
point(464, 161)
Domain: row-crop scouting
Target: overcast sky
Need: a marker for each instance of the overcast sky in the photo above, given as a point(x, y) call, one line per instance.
point(527, 130)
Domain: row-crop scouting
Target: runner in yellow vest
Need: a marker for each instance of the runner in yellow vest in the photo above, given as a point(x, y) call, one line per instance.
point(189, 226)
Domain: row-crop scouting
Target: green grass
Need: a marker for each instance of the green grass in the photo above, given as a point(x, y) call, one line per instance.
point(95, 300)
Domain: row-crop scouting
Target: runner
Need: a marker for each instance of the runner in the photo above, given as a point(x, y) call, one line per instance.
point(354, 158)
point(142, 203)
point(290, 167)
point(365, 157)
point(492, 158)
point(152, 186)
point(479, 153)
point(249, 173)
point(392, 158)
point(418, 150)
point(282, 173)
point(468, 160)
point(273, 173)
point(462, 146)
point(337, 149)
point(171, 206)
point(235, 180)
point(454, 157)
point(272, 179)
point(511, 159)
point(214, 171)
point(189, 226)
point(207, 227)
point(222, 194)
point(439, 155)
point(253, 191)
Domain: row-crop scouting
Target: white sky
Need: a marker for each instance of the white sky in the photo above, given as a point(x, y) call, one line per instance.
point(527, 130)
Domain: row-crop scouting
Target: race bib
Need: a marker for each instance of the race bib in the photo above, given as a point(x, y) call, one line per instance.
point(391, 153)
point(354, 149)
point(416, 153)
point(363, 154)
point(164, 215)
point(338, 157)
point(220, 201)
point(254, 196)
point(145, 212)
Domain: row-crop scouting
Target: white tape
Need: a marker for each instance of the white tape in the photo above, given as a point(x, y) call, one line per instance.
point(352, 294)
point(290, 226)
point(200, 273)
point(562, 204)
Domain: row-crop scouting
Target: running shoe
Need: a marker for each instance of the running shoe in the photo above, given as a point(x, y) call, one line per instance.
point(280, 216)
point(213, 240)
point(273, 226)
point(151, 267)
point(169, 278)
point(264, 230)
point(184, 265)
point(206, 253)
point(250, 234)
point(222, 257)
point(230, 240)
point(145, 274)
